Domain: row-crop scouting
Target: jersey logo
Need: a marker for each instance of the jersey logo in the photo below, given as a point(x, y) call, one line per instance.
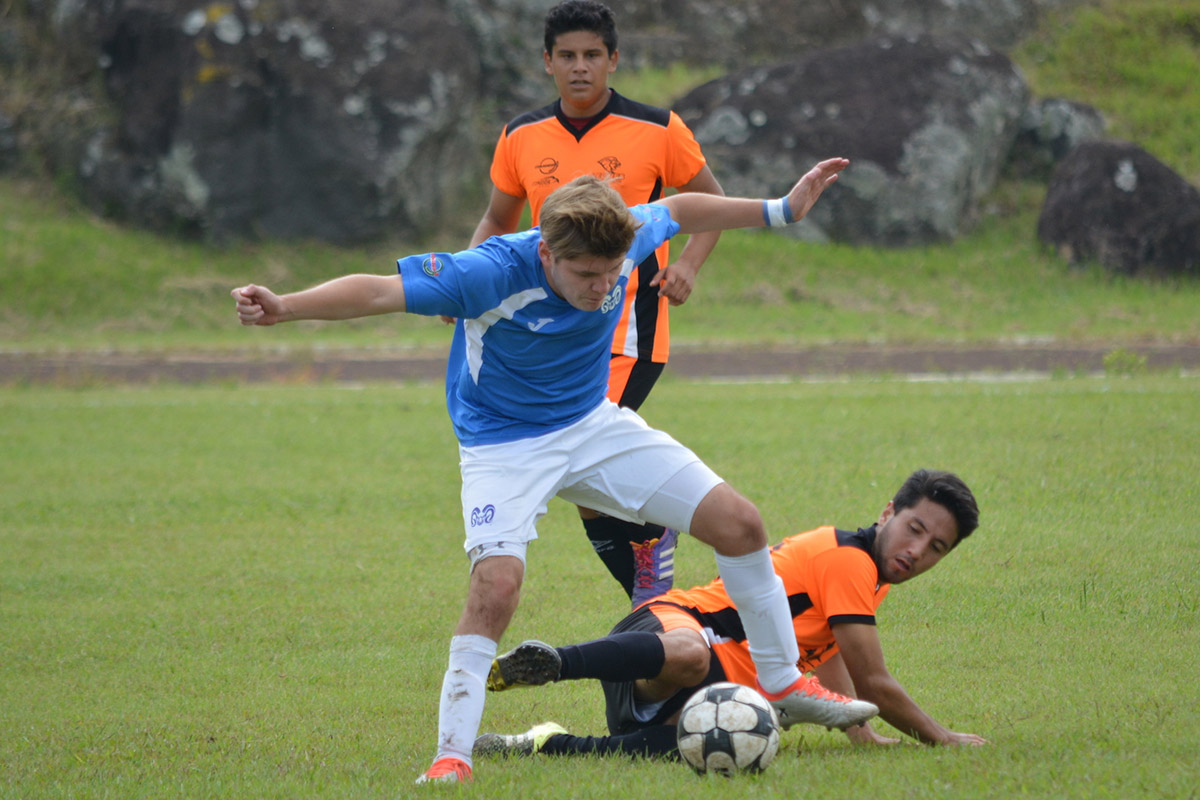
point(610, 165)
point(483, 516)
point(541, 323)
point(548, 165)
point(613, 300)
point(432, 266)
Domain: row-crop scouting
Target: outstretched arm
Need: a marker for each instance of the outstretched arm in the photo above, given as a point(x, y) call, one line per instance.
point(863, 656)
point(833, 675)
point(697, 213)
point(341, 298)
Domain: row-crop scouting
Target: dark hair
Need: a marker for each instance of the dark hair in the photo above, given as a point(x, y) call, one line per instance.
point(581, 15)
point(947, 490)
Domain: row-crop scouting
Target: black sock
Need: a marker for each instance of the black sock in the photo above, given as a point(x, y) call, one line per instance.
point(610, 539)
point(618, 657)
point(655, 741)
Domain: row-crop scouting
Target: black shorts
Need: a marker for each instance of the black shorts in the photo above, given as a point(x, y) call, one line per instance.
point(630, 380)
point(619, 702)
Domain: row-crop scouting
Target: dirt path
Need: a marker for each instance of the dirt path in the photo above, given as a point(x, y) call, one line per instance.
point(75, 369)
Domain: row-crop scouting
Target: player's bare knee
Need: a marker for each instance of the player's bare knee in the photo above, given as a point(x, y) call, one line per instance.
point(498, 580)
point(693, 663)
point(687, 657)
point(729, 522)
point(748, 524)
point(502, 587)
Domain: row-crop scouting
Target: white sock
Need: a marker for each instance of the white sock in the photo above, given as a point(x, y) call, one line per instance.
point(762, 606)
point(463, 694)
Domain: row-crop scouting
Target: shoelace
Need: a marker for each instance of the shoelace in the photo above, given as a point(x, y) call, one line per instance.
point(645, 568)
point(814, 689)
point(447, 765)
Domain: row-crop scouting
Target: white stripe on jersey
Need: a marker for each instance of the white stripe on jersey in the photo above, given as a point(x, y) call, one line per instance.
point(474, 329)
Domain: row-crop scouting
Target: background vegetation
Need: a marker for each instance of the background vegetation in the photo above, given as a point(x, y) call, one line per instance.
point(70, 280)
point(1136, 61)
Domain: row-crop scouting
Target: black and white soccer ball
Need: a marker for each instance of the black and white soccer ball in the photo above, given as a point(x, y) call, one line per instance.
point(728, 728)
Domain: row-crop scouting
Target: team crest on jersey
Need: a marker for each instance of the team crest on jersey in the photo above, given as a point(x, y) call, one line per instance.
point(432, 265)
point(610, 165)
point(613, 300)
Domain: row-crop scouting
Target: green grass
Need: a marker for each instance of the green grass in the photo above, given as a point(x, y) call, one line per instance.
point(71, 281)
point(1136, 62)
point(247, 592)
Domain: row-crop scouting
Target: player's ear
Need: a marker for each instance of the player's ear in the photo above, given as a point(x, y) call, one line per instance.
point(888, 512)
point(546, 62)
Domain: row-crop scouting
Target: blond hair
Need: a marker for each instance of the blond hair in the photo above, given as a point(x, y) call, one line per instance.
point(586, 218)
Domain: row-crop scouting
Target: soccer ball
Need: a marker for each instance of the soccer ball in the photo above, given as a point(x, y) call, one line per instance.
point(728, 728)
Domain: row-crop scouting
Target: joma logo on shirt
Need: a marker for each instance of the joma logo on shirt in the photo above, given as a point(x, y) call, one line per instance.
point(612, 301)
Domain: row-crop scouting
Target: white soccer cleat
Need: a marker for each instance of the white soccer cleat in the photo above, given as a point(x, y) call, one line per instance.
point(807, 700)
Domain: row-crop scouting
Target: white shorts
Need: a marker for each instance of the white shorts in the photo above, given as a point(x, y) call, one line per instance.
point(610, 461)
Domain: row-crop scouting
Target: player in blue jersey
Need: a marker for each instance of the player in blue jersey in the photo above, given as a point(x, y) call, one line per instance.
point(525, 387)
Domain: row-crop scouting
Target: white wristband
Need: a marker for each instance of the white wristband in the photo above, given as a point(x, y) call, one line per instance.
point(777, 213)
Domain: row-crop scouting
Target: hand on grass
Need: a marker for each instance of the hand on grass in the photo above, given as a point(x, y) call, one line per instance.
point(964, 740)
point(866, 735)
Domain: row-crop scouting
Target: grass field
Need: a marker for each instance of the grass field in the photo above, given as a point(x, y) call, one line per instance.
point(247, 592)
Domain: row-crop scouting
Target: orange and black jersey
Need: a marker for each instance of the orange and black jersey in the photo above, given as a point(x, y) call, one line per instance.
point(830, 578)
point(641, 150)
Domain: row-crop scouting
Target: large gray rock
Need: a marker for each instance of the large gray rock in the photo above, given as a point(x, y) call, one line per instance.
point(754, 32)
point(288, 119)
point(346, 121)
point(1051, 128)
point(9, 150)
point(927, 124)
point(1115, 204)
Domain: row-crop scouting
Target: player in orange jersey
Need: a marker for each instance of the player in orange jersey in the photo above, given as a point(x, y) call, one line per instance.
point(661, 653)
point(642, 150)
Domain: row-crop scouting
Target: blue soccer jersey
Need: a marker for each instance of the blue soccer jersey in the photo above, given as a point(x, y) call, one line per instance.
point(523, 362)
